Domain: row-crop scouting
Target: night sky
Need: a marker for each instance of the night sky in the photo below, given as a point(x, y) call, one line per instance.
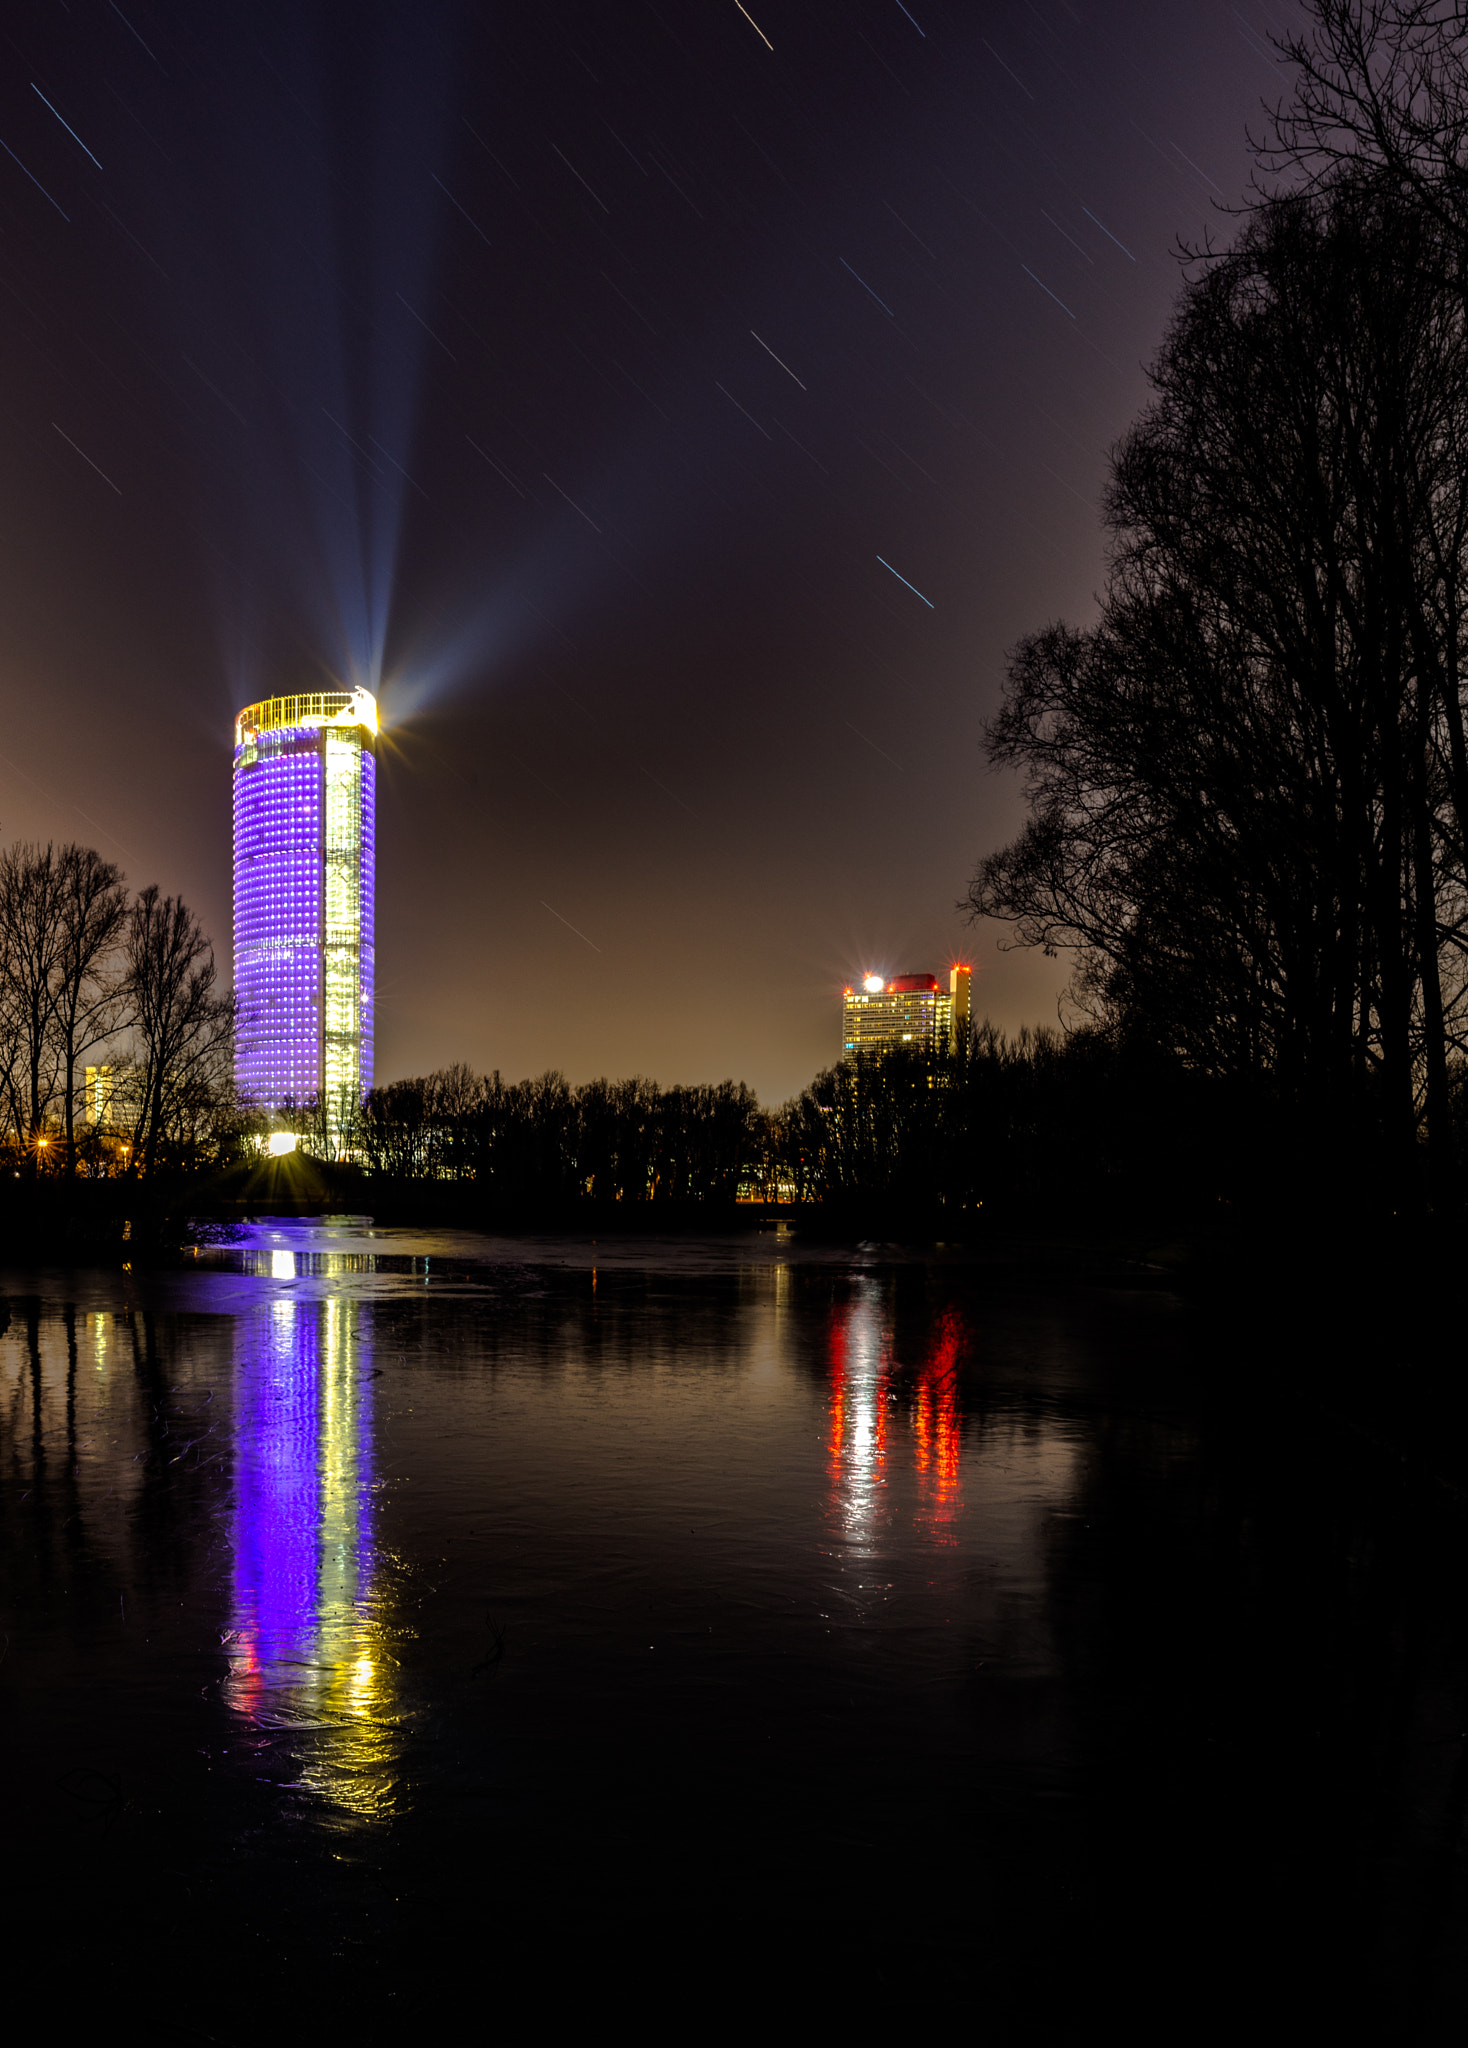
point(568, 374)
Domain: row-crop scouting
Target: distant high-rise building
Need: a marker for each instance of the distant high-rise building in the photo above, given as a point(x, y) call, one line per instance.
point(305, 809)
point(911, 1009)
point(961, 1011)
point(98, 1096)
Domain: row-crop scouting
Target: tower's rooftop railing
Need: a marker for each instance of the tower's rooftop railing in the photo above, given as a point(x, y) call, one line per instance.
point(316, 707)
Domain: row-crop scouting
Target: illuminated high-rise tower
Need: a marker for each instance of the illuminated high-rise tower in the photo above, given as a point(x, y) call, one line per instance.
point(914, 1010)
point(305, 808)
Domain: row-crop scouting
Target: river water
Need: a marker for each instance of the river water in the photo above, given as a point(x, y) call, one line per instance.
point(403, 1629)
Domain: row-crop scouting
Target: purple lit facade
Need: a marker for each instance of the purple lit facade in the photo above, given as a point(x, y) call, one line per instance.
point(305, 786)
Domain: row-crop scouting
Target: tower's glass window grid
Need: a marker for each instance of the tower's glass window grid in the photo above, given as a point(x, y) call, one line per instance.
point(305, 791)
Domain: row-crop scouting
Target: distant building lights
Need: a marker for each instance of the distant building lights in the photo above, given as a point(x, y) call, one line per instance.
point(908, 1010)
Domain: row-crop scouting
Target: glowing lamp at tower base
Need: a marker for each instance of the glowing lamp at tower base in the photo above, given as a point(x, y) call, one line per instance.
point(305, 810)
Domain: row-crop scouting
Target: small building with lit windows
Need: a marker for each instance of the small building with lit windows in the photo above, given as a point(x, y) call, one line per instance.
point(879, 1015)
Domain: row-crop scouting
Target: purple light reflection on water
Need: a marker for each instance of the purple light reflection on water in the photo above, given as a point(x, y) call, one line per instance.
point(278, 1490)
point(306, 1651)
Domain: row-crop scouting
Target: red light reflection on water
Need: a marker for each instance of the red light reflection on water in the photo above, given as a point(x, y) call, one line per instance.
point(938, 1417)
point(859, 1389)
point(837, 1430)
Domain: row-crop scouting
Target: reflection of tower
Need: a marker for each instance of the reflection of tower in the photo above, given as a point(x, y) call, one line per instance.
point(305, 807)
point(857, 1444)
point(306, 1652)
point(859, 1390)
point(938, 1419)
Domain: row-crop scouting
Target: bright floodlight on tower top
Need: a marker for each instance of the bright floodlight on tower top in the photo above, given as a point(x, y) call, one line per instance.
point(305, 786)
